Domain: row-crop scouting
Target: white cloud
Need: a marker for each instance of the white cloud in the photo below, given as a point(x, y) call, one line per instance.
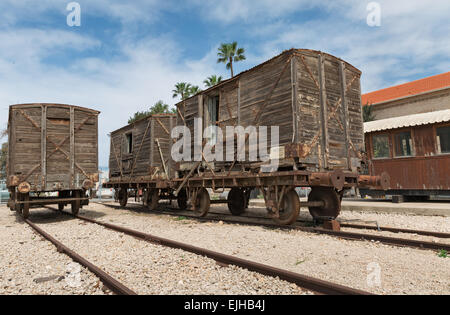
point(14, 11)
point(413, 40)
point(255, 10)
point(147, 73)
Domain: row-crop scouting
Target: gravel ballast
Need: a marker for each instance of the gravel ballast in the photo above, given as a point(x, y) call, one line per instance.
point(151, 269)
point(29, 264)
point(350, 263)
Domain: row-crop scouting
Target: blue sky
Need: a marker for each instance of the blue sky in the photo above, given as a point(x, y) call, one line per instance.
point(127, 55)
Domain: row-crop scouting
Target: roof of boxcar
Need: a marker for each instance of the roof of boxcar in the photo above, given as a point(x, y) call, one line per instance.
point(408, 121)
point(292, 50)
point(56, 105)
point(145, 118)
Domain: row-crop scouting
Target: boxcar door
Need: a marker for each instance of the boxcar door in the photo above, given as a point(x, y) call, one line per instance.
point(57, 148)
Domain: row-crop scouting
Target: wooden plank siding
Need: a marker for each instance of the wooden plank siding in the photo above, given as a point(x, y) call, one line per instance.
point(53, 146)
point(150, 137)
point(314, 98)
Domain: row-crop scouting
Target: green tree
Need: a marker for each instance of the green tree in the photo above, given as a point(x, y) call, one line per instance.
point(183, 90)
point(229, 53)
point(368, 114)
point(194, 90)
point(3, 160)
point(159, 108)
point(212, 81)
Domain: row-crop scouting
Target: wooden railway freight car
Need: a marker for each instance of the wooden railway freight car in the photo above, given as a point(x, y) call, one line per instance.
point(140, 157)
point(315, 101)
point(52, 148)
point(314, 98)
point(415, 150)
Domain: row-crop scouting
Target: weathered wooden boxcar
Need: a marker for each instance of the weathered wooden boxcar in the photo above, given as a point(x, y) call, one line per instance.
point(52, 148)
point(315, 100)
point(414, 150)
point(140, 154)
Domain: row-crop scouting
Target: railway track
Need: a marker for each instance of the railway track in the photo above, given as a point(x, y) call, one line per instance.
point(306, 282)
point(261, 221)
point(110, 282)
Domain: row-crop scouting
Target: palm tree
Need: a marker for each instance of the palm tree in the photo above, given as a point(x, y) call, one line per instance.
point(182, 89)
point(212, 81)
point(229, 53)
point(194, 90)
point(368, 114)
point(158, 108)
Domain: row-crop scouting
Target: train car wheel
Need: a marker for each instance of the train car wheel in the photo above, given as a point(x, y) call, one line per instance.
point(237, 201)
point(248, 193)
point(202, 203)
point(182, 199)
point(26, 206)
point(153, 199)
point(76, 204)
point(60, 206)
point(123, 197)
point(332, 203)
point(290, 208)
point(12, 202)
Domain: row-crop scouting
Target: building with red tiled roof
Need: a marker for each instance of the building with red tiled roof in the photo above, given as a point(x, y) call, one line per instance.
point(421, 96)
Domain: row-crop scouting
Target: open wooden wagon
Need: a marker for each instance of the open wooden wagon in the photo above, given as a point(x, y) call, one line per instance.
point(140, 160)
point(53, 156)
point(315, 100)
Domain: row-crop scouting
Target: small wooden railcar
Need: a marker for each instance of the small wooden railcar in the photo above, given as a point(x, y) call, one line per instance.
point(141, 153)
point(52, 148)
point(315, 100)
point(415, 151)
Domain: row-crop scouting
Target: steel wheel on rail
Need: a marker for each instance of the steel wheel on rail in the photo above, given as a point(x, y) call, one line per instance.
point(202, 203)
point(63, 194)
point(76, 204)
point(237, 201)
point(290, 208)
point(13, 206)
point(332, 203)
point(123, 197)
point(25, 207)
point(182, 199)
point(152, 199)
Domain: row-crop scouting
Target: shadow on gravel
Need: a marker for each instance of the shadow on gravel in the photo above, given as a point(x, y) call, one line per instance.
point(47, 216)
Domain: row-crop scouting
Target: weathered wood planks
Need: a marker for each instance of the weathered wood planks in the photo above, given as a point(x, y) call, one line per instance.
point(313, 97)
point(53, 146)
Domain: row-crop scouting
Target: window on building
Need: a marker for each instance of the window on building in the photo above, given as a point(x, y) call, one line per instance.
point(380, 146)
point(403, 144)
point(129, 142)
point(443, 139)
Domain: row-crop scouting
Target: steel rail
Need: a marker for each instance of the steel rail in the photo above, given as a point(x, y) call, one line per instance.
point(342, 224)
point(396, 230)
point(356, 226)
point(306, 282)
point(362, 227)
point(114, 285)
point(342, 234)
